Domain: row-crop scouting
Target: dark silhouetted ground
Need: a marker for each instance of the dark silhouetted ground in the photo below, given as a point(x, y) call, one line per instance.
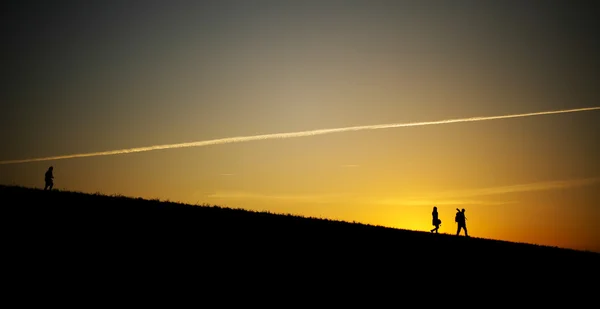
point(109, 244)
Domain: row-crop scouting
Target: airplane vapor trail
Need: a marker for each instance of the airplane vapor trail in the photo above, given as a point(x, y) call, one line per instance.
point(240, 139)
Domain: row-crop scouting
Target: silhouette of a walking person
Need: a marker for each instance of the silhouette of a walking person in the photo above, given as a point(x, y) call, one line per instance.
point(49, 178)
point(461, 220)
point(435, 221)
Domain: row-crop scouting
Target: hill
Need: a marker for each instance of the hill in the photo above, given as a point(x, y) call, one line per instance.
point(59, 232)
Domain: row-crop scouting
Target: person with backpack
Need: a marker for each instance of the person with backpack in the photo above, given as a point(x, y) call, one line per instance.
point(49, 179)
point(435, 221)
point(461, 220)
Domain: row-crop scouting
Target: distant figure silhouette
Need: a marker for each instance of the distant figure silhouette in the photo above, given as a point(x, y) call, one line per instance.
point(48, 177)
point(462, 221)
point(435, 221)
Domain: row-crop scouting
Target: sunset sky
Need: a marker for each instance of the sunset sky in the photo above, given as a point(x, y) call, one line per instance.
point(93, 76)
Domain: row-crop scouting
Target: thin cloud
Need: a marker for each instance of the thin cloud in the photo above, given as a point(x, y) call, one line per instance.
point(350, 165)
point(235, 195)
point(529, 187)
point(225, 174)
point(239, 139)
point(440, 202)
point(465, 197)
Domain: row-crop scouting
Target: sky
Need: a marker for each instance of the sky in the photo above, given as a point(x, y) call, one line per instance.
point(95, 76)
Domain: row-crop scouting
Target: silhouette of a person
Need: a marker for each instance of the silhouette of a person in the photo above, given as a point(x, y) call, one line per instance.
point(49, 179)
point(461, 220)
point(435, 221)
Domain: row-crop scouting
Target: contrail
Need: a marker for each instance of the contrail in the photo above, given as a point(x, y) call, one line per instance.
point(240, 139)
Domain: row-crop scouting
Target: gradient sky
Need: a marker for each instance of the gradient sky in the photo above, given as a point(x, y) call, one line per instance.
point(80, 76)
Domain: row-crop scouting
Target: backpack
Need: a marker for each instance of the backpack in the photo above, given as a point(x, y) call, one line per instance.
point(457, 217)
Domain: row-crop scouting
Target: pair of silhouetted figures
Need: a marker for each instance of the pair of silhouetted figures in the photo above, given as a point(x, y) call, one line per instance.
point(460, 219)
point(49, 179)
